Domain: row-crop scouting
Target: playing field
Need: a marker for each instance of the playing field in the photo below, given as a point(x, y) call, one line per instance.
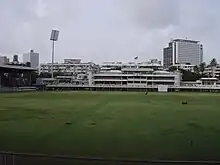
point(112, 125)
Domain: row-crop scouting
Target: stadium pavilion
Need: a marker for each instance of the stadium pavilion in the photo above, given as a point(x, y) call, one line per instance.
point(12, 76)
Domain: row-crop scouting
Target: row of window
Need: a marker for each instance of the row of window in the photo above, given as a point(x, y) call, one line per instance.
point(134, 77)
point(133, 83)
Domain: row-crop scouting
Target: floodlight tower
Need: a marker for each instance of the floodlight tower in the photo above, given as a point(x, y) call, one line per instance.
point(54, 37)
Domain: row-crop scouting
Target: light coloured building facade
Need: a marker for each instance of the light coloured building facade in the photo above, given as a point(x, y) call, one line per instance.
point(152, 63)
point(131, 75)
point(72, 71)
point(212, 71)
point(143, 74)
point(4, 60)
point(182, 51)
point(139, 78)
point(32, 57)
point(186, 67)
point(69, 67)
point(72, 61)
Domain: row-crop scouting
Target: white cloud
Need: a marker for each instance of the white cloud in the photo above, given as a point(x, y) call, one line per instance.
point(107, 30)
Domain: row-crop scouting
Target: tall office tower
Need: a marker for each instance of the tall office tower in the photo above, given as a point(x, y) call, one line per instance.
point(32, 57)
point(182, 51)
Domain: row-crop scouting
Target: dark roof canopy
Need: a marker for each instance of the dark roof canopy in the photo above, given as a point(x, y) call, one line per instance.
point(11, 68)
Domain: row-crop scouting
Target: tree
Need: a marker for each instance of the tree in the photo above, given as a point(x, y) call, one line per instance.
point(213, 62)
point(202, 67)
point(45, 75)
point(55, 74)
point(190, 76)
point(28, 64)
point(172, 68)
point(30, 76)
point(196, 69)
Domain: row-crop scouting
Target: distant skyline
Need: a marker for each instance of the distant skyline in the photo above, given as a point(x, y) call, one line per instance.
point(107, 30)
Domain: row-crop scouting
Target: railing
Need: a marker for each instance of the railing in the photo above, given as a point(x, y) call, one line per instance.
point(140, 86)
point(17, 89)
point(10, 158)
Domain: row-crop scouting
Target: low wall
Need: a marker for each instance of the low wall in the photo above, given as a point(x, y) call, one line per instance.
point(140, 88)
point(16, 89)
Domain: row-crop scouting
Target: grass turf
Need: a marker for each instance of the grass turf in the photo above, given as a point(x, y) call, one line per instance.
point(112, 125)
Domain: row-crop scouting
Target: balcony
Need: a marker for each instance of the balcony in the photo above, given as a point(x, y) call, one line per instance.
point(140, 80)
point(137, 70)
point(110, 80)
point(171, 81)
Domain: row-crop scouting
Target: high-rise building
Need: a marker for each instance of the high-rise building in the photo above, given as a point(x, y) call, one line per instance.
point(32, 57)
point(182, 51)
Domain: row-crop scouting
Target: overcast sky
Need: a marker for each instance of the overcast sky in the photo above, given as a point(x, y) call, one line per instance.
point(107, 30)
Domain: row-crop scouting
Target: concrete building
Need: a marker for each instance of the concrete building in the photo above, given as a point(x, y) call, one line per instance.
point(69, 67)
point(4, 60)
point(212, 71)
point(32, 57)
point(152, 63)
point(186, 67)
point(116, 74)
point(139, 78)
point(183, 51)
point(133, 75)
point(72, 61)
point(72, 71)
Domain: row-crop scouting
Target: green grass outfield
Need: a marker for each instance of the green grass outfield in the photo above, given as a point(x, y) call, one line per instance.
point(112, 125)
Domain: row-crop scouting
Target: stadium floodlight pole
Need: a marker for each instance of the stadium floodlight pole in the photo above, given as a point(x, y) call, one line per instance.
point(52, 59)
point(53, 38)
